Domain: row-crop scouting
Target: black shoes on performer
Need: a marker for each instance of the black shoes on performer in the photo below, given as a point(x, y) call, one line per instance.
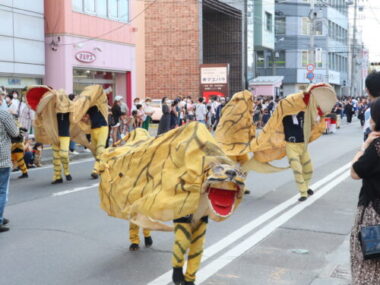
point(24, 175)
point(94, 175)
point(60, 180)
point(148, 241)
point(57, 181)
point(303, 198)
point(134, 247)
point(177, 277)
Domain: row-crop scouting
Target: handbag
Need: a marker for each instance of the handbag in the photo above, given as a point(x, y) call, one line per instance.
point(369, 238)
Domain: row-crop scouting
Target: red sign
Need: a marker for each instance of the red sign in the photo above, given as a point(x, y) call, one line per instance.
point(310, 67)
point(85, 56)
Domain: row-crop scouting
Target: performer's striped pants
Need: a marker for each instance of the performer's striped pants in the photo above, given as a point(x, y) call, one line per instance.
point(300, 162)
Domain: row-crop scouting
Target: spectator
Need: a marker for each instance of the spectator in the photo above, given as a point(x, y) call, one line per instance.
point(8, 130)
point(136, 101)
point(11, 108)
point(140, 115)
point(116, 113)
point(174, 115)
point(349, 110)
point(189, 110)
point(200, 111)
point(218, 112)
point(37, 154)
point(209, 117)
point(134, 121)
point(164, 124)
point(148, 110)
point(372, 84)
point(3, 103)
point(366, 166)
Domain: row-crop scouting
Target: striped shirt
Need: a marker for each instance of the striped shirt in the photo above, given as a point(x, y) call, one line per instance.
point(8, 129)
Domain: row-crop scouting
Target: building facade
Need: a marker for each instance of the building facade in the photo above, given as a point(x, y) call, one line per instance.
point(305, 36)
point(22, 48)
point(91, 42)
point(180, 35)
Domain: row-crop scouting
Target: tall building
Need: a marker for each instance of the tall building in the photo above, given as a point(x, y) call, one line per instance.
point(22, 48)
point(305, 36)
point(91, 42)
point(180, 35)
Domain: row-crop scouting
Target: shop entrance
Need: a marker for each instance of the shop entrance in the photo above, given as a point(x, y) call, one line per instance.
point(85, 77)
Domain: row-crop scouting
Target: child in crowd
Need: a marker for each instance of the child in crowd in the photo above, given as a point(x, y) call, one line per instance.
point(37, 153)
point(134, 120)
point(140, 115)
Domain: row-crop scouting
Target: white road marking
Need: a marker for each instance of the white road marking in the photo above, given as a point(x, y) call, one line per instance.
point(78, 189)
point(234, 236)
point(50, 166)
point(255, 238)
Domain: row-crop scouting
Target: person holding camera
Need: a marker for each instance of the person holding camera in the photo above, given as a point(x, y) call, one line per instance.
point(8, 130)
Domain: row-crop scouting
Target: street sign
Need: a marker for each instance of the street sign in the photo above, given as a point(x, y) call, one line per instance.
point(310, 76)
point(310, 67)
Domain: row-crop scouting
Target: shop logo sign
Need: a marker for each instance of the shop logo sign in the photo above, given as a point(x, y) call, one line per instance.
point(85, 56)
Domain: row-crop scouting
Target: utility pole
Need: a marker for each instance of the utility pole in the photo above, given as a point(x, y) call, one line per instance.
point(353, 55)
point(312, 17)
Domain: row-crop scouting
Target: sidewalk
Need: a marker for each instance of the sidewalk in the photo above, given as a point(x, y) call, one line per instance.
point(337, 271)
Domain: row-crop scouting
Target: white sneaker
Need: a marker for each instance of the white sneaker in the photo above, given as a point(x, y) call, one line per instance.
point(74, 152)
point(86, 150)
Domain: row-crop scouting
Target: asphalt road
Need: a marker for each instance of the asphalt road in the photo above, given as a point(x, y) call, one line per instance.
point(59, 235)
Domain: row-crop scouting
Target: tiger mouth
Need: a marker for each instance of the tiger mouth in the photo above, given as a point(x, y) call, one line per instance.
point(222, 197)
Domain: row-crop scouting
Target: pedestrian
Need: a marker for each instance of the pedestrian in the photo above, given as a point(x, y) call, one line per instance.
point(164, 124)
point(200, 111)
point(349, 110)
point(148, 110)
point(11, 107)
point(189, 110)
point(218, 112)
point(8, 130)
point(140, 115)
point(136, 101)
point(366, 166)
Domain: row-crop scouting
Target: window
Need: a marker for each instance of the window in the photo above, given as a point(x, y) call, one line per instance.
point(260, 59)
point(118, 9)
point(318, 28)
point(89, 6)
point(113, 9)
point(279, 58)
point(78, 5)
point(280, 26)
point(268, 17)
point(306, 26)
point(305, 58)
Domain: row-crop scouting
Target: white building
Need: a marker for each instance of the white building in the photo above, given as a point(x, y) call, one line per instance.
point(22, 48)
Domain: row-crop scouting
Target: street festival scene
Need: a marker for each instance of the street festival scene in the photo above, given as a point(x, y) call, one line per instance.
point(190, 142)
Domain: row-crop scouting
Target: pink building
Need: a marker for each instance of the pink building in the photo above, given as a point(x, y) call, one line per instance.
point(90, 42)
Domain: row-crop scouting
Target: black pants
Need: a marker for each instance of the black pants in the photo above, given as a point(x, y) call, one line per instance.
point(349, 118)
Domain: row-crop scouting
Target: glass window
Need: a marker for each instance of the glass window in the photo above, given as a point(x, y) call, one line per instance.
point(306, 26)
point(260, 59)
point(318, 28)
point(305, 58)
point(77, 5)
point(280, 26)
point(123, 10)
point(101, 8)
point(268, 17)
point(112, 9)
point(89, 6)
point(280, 60)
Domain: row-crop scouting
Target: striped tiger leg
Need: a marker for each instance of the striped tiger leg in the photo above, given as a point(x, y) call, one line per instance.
point(98, 139)
point(182, 241)
point(56, 163)
point(196, 249)
point(294, 152)
point(134, 233)
point(307, 167)
point(19, 159)
point(64, 144)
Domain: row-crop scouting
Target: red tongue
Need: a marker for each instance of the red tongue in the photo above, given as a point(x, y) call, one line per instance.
point(222, 201)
